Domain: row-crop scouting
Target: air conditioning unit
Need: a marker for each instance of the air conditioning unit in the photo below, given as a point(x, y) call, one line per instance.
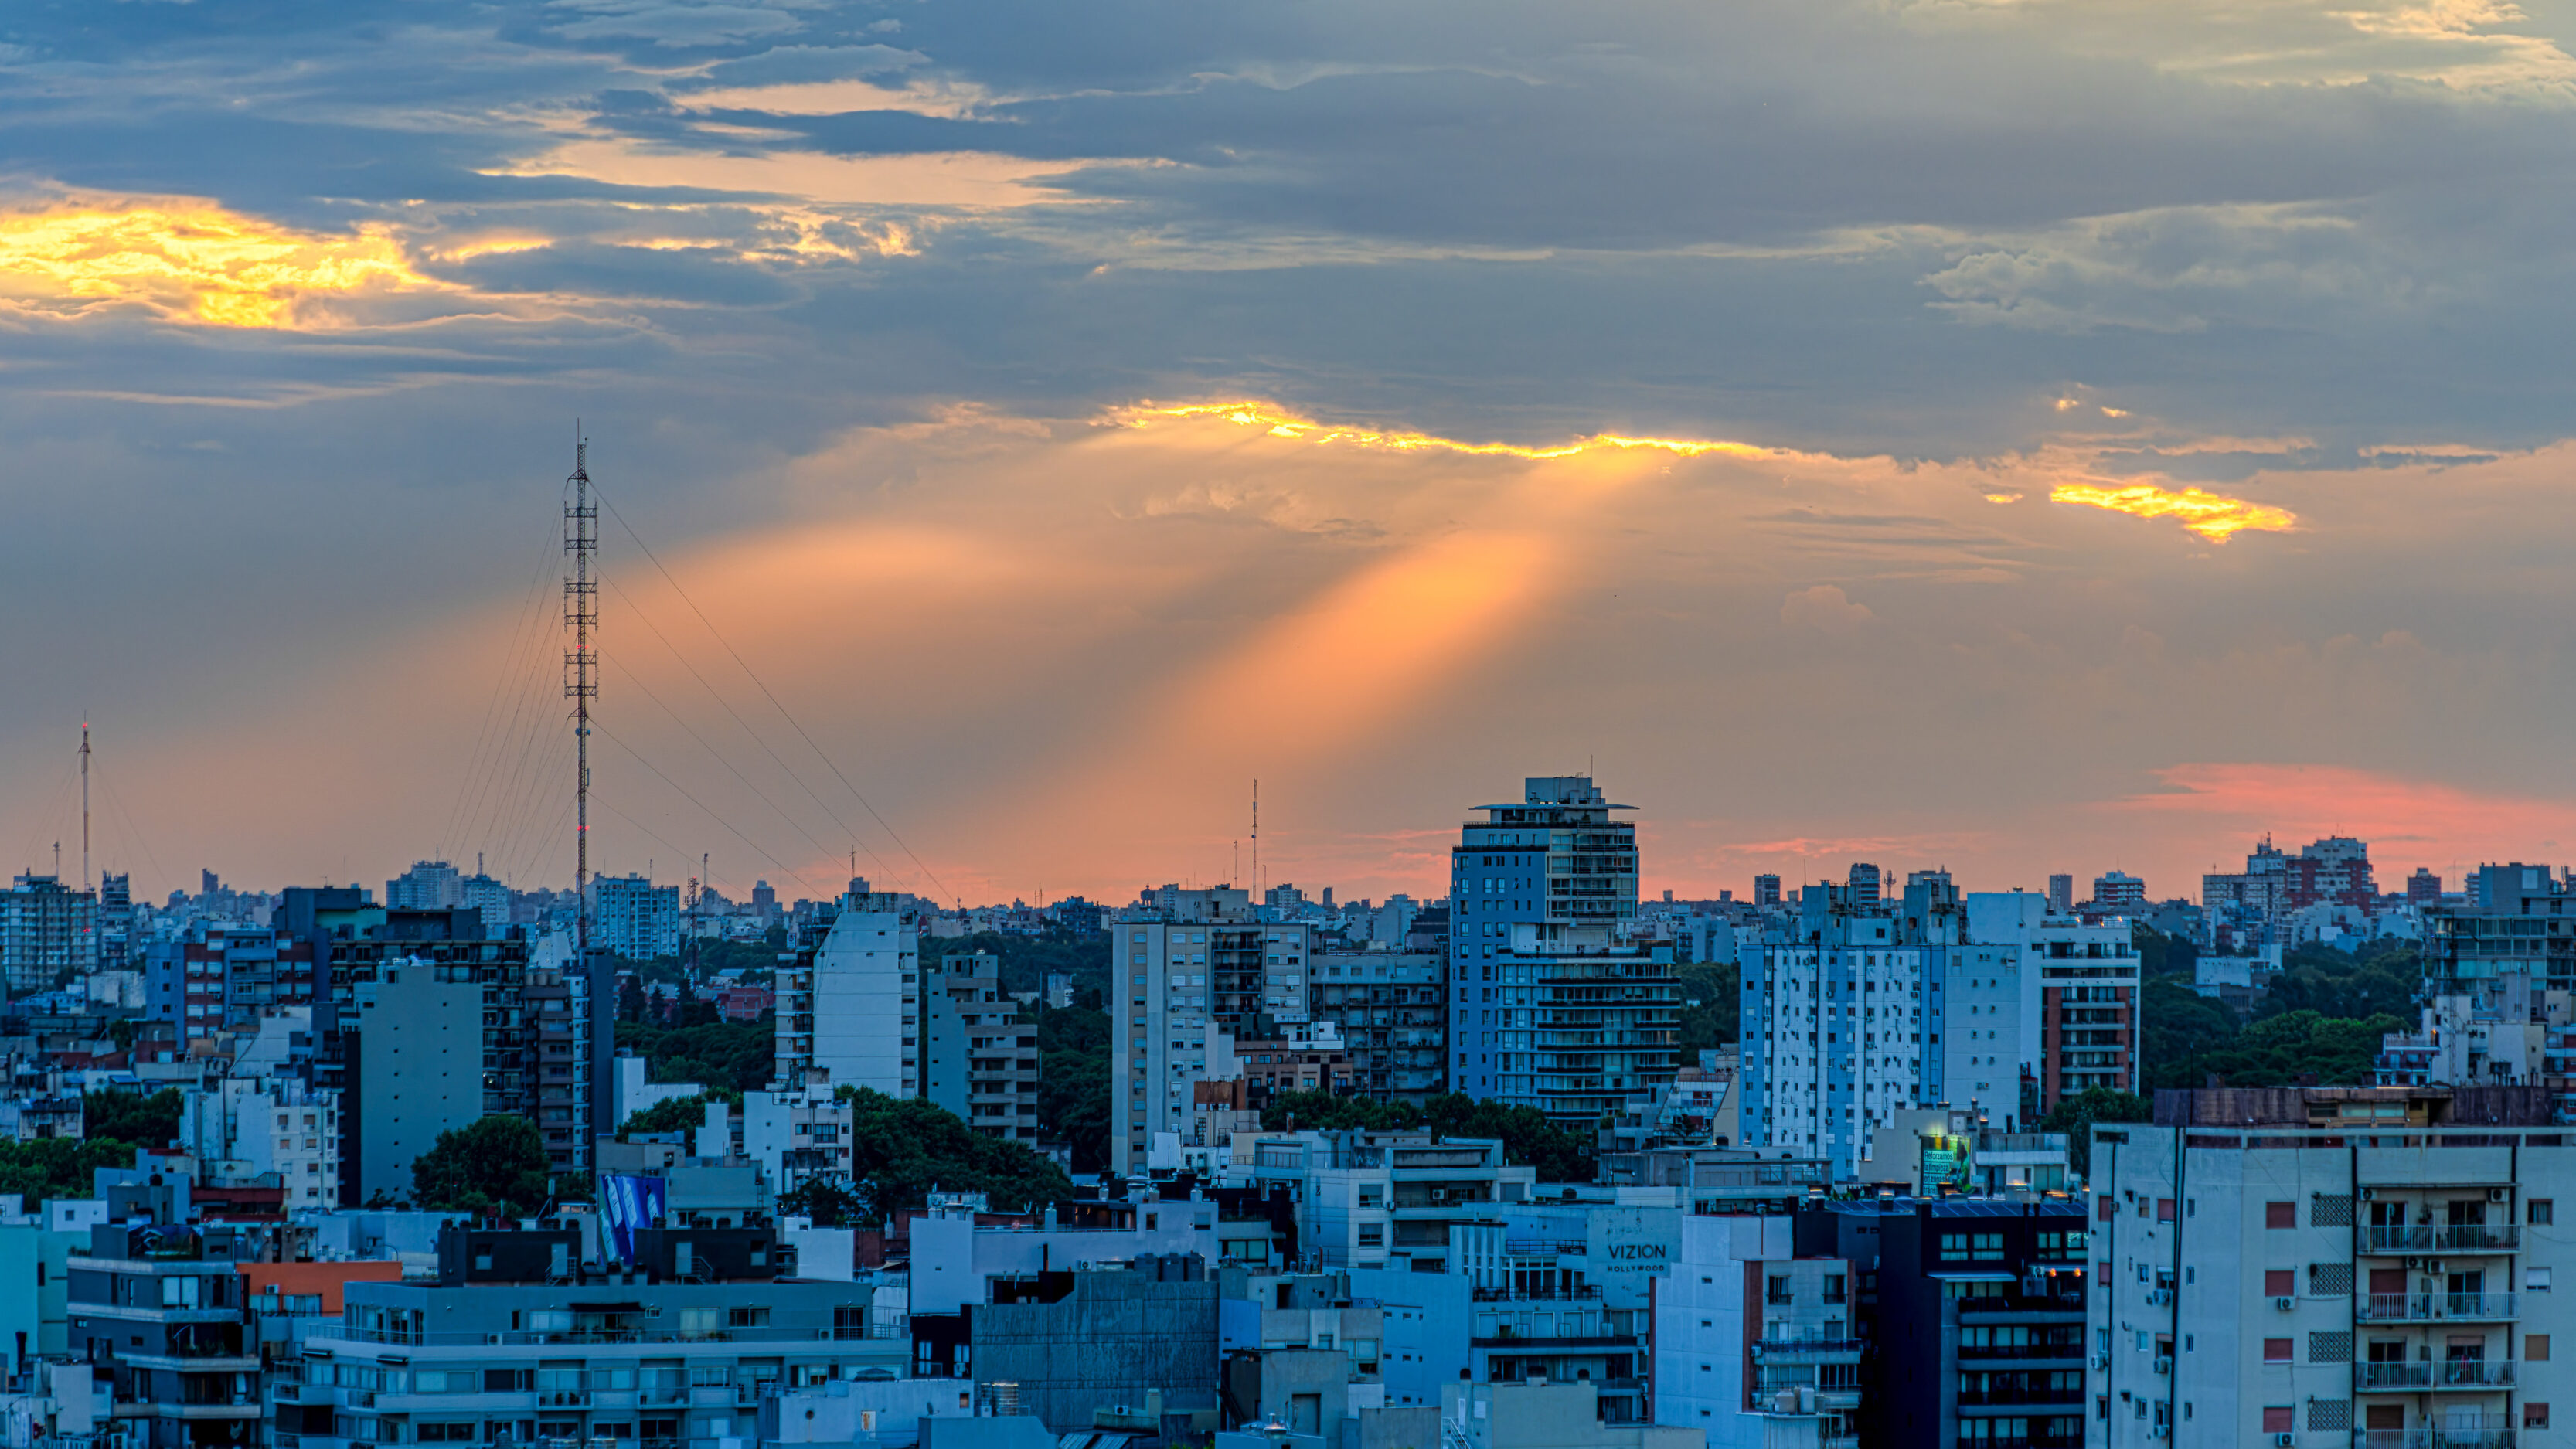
point(2285, 1440)
point(2164, 1366)
point(2159, 1297)
point(2496, 1194)
point(2101, 1360)
point(2432, 1265)
point(2365, 1194)
point(2282, 1303)
point(2414, 1263)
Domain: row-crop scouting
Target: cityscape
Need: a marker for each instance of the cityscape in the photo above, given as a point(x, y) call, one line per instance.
point(1354, 724)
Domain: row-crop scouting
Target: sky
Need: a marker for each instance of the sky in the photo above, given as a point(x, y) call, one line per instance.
point(2012, 436)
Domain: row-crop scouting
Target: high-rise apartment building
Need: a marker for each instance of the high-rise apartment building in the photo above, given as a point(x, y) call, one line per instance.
point(1554, 860)
point(1192, 973)
point(633, 918)
point(849, 1008)
point(1766, 890)
point(226, 976)
point(2061, 894)
point(116, 946)
point(1842, 1029)
point(978, 1059)
point(1391, 1011)
point(430, 885)
point(2119, 891)
point(2498, 971)
point(2358, 1266)
point(47, 929)
point(2040, 1007)
point(1866, 880)
point(2423, 888)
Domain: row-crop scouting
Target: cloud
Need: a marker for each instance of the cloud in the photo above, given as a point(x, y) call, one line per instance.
point(1825, 607)
point(2213, 516)
point(187, 261)
point(2412, 821)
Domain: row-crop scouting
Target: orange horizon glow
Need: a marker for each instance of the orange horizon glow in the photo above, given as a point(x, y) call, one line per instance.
point(2214, 516)
point(190, 261)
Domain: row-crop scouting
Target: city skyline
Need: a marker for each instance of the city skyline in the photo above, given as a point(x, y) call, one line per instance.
point(2002, 437)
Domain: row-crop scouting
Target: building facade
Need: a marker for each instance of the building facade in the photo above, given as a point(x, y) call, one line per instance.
point(978, 1059)
point(631, 917)
point(47, 930)
point(849, 1007)
point(1192, 973)
point(1555, 859)
point(2372, 1265)
point(1393, 1016)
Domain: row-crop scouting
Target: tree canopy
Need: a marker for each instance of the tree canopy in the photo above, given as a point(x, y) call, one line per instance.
point(1025, 962)
point(1073, 1082)
point(1710, 1007)
point(901, 1148)
point(497, 1163)
point(734, 1056)
point(675, 1114)
point(131, 1117)
point(1528, 1137)
point(2076, 1115)
point(53, 1167)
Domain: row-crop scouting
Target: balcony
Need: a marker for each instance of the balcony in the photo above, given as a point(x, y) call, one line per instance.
point(2425, 1238)
point(2434, 1308)
point(2432, 1438)
point(1810, 1350)
point(2471, 1374)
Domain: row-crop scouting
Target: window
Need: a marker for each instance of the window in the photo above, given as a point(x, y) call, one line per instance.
point(2280, 1283)
point(2280, 1215)
point(2279, 1419)
point(2535, 1280)
point(2543, 1211)
point(509, 1381)
point(446, 1433)
point(2535, 1416)
point(2164, 1209)
point(1372, 1235)
point(2535, 1348)
point(2276, 1350)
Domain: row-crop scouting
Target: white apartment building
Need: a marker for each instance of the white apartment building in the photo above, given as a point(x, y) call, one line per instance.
point(797, 1136)
point(1849, 1037)
point(1189, 976)
point(2042, 1007)
point(1755, 1345)
point(2364, 1266)
point(634, 918)
point(245, 1129)
point(1389, 1199)
point(849, 1011)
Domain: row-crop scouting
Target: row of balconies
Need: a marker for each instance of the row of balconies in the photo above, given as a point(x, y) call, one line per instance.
point(2455, 1239)
point(2434, 1308)
point(2472, 1374)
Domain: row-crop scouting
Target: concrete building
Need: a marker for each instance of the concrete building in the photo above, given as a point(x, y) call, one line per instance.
point(797, 1137)
point(1192, 973)
point(1069, 1344)
point(169, 1332)
point(430, 885)
point(849, 1007)
point(684, 1347)
point(978, 1059)
point(632, 918)
point(1393, 1014)
point(2371, 1265)
point(2041, 1006)
point(2119, 891)
point(275, 1131)
point(1755, 1344)
point(416, 1071)
point(2061, 894)
point(1555, 860)
point(47, 930)
point(956, 1260)
point(2499, 970)
point(1388, 1199)
point(1973, 1309)
point(1842, 1030)
point(225, 977)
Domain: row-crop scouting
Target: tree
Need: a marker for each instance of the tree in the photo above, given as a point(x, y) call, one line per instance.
point(671, 1114)
point(2287, 1050)
point(2175, 1025)
point(902, 1148)
point(1073, 1082)
point(1710, 992)
point(630, 997)
point(734, 1056)
point(53, 1167)
point(491, 1165)
point(2076, 1115)
point(829, 1204)
point(131, 1117)
point(1026, 961)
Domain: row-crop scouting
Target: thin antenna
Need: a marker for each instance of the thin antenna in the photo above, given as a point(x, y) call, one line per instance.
point(1256, 840)
point(84, 804)
point(581, 673)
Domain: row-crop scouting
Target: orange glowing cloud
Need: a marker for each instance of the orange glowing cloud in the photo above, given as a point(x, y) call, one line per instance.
point(2214, 516)
point(188, 261)
point(1281, 423)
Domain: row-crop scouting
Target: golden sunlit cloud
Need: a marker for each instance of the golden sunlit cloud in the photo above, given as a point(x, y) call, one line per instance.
point(189, 261)
point(2214, 516)
point(1283, 424)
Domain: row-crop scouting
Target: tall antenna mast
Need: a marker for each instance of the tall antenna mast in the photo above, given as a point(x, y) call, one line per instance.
point(1256, 840)
point(84, 804)
point(581, 678)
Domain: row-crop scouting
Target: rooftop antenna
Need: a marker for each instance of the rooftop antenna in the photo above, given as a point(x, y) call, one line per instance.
point(1256, 840)
point(581, 678)
point(84, 804)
